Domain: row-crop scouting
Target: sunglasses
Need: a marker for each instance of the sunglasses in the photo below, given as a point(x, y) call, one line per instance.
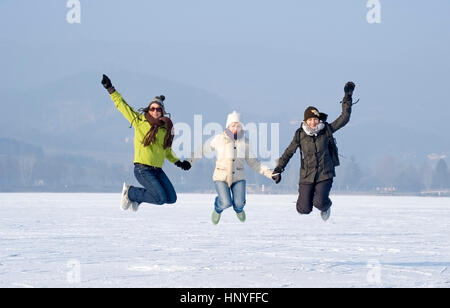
point(155, 109)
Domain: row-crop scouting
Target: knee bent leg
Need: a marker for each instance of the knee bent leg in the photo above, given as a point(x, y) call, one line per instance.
point(323, 205)
point(172, 199)
point(304, 211)
point(221, 205)
point(239, 207)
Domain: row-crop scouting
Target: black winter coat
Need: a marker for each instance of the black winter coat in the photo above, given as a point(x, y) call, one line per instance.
point(316, 160)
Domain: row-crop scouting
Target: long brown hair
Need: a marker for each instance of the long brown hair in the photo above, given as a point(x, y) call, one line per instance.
point(155, 124)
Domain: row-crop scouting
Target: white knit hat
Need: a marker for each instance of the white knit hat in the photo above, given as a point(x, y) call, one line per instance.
point(233, 117)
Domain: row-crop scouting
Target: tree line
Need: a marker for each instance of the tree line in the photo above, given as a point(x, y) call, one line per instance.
point(25, 167)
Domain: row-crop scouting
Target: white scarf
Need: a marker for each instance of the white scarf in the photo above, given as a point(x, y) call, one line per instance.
point(312, 132)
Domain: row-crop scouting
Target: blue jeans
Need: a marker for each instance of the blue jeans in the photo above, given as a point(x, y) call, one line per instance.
point(157, 187)
point(225, 200)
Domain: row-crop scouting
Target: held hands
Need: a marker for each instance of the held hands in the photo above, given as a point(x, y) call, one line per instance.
point(185, 165)
point(276, 175)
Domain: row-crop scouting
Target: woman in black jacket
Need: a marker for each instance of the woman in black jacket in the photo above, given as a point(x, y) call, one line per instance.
point(319, 156)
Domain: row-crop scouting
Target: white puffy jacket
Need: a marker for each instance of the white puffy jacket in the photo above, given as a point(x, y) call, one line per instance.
point(231, 155)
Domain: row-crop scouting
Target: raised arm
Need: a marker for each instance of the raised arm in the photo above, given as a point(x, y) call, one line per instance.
point(347, 102)
point(128, 112)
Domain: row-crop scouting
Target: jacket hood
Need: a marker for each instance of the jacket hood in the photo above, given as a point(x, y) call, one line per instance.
point(312, 132)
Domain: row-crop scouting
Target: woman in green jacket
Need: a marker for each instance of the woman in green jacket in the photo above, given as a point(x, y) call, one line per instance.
point(153, 136)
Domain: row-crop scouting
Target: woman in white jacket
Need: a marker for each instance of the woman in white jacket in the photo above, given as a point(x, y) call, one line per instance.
point(232, 150)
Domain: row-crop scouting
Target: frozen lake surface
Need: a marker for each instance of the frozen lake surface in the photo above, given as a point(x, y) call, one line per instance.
point(84, 240)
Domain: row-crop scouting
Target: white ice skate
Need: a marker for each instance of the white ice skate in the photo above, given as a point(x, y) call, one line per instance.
point(125, 203)
point(135, 206)
point(326, 214)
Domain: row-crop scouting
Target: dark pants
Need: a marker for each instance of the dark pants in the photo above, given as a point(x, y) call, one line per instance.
point(314, 195)
point(157, 187)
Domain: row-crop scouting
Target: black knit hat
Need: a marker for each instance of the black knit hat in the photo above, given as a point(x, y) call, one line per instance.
point(313, 112)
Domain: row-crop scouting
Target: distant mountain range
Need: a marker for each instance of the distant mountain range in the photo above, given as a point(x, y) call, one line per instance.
point(76, 115)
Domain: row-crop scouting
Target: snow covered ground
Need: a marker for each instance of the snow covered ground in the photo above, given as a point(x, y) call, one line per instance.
point(84, 240)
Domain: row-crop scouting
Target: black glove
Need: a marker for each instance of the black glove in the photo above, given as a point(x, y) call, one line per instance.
point(185, 165)
point(349, 88)
point(106, 82)
point(276, 175)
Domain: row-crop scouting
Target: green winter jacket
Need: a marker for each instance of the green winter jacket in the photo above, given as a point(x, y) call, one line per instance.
point(154, 154)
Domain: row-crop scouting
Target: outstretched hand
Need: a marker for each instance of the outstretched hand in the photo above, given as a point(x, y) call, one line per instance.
point(185, 165)
point(349, 88)
point(106, 82)
point(276, 175)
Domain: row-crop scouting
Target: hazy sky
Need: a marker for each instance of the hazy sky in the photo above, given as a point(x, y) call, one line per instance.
point(263, 57)
point(257, 50)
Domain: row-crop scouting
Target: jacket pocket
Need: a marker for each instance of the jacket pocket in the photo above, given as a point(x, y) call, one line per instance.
point(220, 174)
point(221, 164)
point(328, 164)
point(304, 174)
point(308, 171)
